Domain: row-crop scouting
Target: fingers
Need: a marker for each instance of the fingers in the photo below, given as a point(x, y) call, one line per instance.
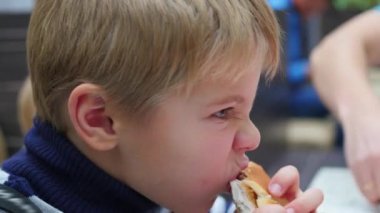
point(307, 202)
point(270, 209)
point(285, 183)
point(376, 197)
point(372, 187)
point(366, 179)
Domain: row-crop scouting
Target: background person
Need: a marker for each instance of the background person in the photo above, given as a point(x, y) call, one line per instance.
point(339, 70)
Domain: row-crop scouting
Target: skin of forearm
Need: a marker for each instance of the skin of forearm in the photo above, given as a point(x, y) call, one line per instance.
point(339, 72)
point(339, 66)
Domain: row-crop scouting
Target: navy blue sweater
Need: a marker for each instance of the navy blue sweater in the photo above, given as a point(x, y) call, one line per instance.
point(57, 177)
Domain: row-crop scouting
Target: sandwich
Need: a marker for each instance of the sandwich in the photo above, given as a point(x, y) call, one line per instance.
point(249, 190)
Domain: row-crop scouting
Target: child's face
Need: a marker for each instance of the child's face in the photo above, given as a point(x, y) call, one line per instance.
point(193, 146)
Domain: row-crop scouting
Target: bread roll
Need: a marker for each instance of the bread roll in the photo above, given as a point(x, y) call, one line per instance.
point(250, 190)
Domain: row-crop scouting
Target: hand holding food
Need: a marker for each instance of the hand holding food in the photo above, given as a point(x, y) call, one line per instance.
point(250, 191)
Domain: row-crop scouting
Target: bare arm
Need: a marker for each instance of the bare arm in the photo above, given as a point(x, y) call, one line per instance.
point(339, 71)
point(339, 64)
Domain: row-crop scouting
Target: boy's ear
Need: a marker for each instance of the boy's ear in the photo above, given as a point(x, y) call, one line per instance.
point(87, 112)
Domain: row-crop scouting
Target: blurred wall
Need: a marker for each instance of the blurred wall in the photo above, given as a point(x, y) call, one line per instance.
point(14, 18)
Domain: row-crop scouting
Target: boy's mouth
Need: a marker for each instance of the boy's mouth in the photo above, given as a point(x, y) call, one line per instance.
point(239, 176)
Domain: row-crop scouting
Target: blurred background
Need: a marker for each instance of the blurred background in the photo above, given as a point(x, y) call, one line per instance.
point(14, 17)
point(295, 126)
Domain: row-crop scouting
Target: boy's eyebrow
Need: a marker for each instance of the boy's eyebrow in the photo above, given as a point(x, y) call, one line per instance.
point(228, 99)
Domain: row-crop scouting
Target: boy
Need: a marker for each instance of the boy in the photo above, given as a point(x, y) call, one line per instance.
point(144, 105)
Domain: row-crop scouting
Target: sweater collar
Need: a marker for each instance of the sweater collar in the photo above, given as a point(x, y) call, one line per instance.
point(68, 180)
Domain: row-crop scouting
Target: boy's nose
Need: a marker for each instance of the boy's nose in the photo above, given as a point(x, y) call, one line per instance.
point(247, 138)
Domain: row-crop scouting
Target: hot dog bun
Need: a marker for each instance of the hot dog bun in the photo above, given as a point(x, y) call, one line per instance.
point(250, 190)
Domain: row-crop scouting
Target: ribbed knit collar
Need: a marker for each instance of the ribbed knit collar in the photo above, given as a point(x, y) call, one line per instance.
point(63, 177)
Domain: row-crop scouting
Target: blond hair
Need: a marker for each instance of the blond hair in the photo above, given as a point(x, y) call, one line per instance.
point(138, 49)
point(25, 106)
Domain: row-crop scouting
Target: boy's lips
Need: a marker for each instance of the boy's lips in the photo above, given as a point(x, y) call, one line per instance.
point(242, 164)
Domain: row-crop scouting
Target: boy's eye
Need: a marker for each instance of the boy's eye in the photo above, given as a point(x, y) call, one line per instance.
point(223, 114)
